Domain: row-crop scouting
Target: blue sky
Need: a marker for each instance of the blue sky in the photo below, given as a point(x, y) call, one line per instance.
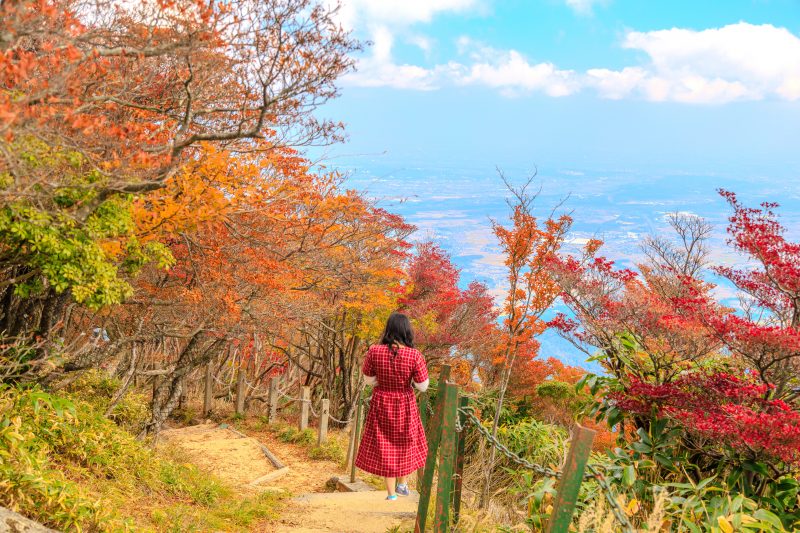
point(631, 108)
point(606, 82)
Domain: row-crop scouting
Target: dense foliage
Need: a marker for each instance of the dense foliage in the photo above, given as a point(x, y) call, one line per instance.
point(65, 464)
point(702, 394)
point(160, 221)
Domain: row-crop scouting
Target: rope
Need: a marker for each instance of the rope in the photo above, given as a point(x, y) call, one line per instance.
point(343, 422)
point(283, 394)
point(543, 470)
point(593, 472)
point(608, 492)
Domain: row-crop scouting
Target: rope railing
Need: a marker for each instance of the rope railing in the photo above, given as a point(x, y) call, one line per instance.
point(447, 423)
point(241, 387)
point(469, 413)
point(593, 473)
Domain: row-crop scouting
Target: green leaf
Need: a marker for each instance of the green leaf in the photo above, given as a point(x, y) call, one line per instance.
point(770, 518)
point(614, 416)
point(758, 468)
point(629, 475)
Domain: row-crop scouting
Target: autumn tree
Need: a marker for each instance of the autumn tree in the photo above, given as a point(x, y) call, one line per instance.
point(276, 257)
point(104, 101)
point(451, 324)
point(710, 383)
point(766, 332)
point(608, 302)
point(528, 245)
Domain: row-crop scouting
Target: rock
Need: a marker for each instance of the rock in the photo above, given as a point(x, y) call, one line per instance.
point(11, 522)
point(344, 485)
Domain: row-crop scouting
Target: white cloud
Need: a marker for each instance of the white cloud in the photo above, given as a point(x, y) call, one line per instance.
point(382, 20)
point(736, 62)
point(615, 84)
point(396, 12)
point(380, 70)
point(510, 72)
point(422, 42)
point(583, 7)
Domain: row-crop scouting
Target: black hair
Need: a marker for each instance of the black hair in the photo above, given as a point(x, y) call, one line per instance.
point(397, 332)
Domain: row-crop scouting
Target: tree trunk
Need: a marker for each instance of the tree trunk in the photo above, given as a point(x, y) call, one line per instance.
point(505, 378)
point(126, 382)
point(167, 394)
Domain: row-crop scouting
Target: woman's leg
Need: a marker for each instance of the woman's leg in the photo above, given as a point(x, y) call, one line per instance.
point(402, 486)
point(390, 484)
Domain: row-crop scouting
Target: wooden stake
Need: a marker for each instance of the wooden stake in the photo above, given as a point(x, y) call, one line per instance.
point(463, 403)
point(208, 398)
point(570, 482)
point(444, 375)
point(356, 435)
point(240, 391)
point(352, 440)
point(434, 437)
point(273, 400)
point(323, 422)
point(444, 489)
point(304, 407)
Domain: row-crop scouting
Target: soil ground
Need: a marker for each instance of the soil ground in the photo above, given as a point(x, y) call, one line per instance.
point(313, 507)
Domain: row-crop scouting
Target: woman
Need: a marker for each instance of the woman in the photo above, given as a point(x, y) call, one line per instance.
point(394, 445)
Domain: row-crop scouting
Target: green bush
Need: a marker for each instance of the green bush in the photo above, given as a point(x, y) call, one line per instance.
point(97, 388)
point(36, 428)
point(329, 451)
point(65, 465)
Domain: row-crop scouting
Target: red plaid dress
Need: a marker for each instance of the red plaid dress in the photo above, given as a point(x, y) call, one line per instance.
point(393, 443)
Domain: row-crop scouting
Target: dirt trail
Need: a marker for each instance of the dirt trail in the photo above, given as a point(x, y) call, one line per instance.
point(347, 512)
point(313, 509)
point(236, 460)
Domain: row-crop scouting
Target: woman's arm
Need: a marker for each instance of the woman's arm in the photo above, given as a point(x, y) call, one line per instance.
point(419, 378)
point(370, 377)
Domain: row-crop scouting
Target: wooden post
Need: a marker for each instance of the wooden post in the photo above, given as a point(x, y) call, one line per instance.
point(208, 397)
point(434, 436)
point(240, 391)
point(273, 400)
point(182, 399)
point(570, 482)
point(444, 489)
point(444, 375)
point(356, 432)
point(423, 416)
point(304, 407)
point(463, 403)
point(323, 422)
point(351, 447)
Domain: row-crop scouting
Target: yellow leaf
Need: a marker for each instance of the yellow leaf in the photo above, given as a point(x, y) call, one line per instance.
point(632, 508)
point(724, 525)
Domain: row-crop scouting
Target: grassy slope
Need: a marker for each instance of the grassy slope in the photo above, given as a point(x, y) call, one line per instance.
point(64, 464)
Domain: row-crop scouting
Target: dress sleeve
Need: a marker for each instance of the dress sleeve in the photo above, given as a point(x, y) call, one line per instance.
point(420, 375)
point(369, 369)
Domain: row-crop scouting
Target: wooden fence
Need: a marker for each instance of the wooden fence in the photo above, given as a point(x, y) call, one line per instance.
point(446, 433)
point(445, 425)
